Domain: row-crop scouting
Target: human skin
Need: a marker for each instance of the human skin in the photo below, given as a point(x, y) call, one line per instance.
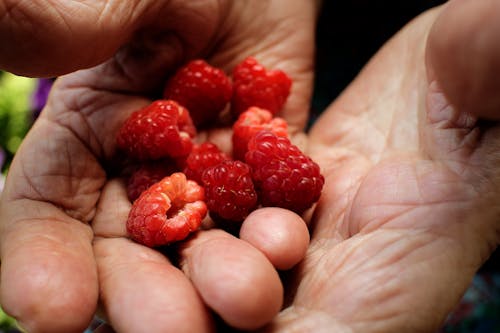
point(62, 238)
point(409, 210)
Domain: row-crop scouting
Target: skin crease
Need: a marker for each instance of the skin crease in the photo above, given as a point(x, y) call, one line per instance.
point(65, 265)
point(406, 219)
point(408, 216)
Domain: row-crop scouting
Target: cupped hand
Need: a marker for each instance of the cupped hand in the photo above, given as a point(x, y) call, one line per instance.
point(63, 243)
point(410, 207)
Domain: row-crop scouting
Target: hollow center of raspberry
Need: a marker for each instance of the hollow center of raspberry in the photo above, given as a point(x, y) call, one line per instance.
point(175, 209)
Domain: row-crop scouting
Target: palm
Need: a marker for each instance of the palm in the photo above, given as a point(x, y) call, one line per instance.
point(63, 168)
point(406, 189)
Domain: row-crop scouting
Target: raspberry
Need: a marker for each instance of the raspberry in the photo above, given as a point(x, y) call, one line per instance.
point(250, 123)
point(267, 169)
point(283, 175)
point(202, 89)
point(229, 190)
point(253, 85)
point(145, 176)
point(161, 129)
point(202, 157)
point(167, 212)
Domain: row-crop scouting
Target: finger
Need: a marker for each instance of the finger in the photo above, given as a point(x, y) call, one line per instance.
point(233, 278)
point(131, 274)
point(59, 33)
point(48, 268)
point(141, 291)
point(112, 210)
point(281, 235)
point(46, 248)
point(463, 55)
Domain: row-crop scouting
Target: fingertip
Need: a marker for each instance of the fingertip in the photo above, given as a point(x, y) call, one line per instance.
point(463, 55)
point(280, 234)
point(234, 279)
point(141, 291)
point(44, 280)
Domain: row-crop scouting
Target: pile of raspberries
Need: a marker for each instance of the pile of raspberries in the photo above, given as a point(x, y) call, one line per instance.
point(179, 180)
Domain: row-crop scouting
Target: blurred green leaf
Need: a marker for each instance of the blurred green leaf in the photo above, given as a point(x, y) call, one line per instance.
point(15, 113)
point(6, 322)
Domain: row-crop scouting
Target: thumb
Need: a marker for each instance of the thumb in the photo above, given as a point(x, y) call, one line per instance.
point(50, 38)
point(463, 55)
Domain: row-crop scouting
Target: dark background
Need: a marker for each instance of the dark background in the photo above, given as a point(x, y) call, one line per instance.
point(349, 33)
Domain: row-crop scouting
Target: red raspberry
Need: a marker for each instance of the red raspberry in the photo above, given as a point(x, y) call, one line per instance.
point(283, 175)
point(163, 128)
point(250, 123)
point(253, 85)
point(229, 190)
point(202, 157)
point(145, 176)
point(204, 90)
point(167, 212)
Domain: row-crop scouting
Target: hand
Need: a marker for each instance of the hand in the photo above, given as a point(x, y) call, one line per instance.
point(59, 182)
point(410, 208)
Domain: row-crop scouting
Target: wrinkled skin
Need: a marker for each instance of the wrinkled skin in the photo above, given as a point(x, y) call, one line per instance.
point(410, 210)
point(62, 214)
point(407, 216)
